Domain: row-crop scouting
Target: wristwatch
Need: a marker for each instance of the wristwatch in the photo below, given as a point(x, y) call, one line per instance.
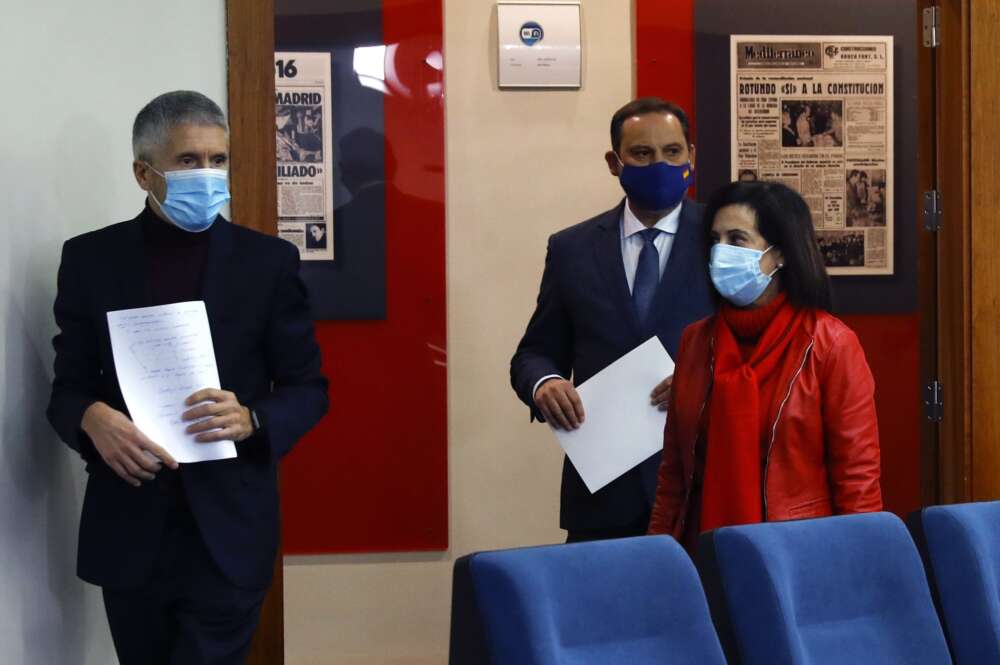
point(255, 421)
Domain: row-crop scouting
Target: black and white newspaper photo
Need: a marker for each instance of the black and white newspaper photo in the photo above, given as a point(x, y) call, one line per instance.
point(815, 113)
point(303, 135)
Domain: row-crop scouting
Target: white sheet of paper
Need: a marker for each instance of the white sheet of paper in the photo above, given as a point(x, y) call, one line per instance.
point(621, 428)
point(163, 354)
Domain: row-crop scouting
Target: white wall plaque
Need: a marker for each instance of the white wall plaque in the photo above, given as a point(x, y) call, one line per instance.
point(539, 44)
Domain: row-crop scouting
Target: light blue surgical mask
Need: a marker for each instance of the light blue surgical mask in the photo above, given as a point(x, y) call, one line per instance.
point(736, 273)
point(194, 197)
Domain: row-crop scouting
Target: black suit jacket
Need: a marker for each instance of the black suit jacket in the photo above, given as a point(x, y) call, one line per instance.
point(267, 355)
point(584, 321)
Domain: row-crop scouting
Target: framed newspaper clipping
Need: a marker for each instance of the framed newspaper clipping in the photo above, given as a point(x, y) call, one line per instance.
point(816, 113)
point(303, 131)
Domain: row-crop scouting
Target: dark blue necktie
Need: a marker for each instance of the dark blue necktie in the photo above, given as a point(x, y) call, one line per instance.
point(647, 277)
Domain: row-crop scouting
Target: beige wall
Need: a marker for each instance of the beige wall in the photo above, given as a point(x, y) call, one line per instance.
point(521, 165)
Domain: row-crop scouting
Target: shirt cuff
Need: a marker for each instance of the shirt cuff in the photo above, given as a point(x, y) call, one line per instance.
point(541, 381)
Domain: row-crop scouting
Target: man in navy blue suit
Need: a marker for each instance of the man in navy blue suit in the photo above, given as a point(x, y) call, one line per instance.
point(184, 553)
point(609, 284)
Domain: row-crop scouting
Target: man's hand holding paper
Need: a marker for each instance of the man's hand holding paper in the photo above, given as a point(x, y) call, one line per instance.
point(562, 408)
point(166, 364)
point(560, 404)
point(219, 416)
point(122, 446)
point(661, 393)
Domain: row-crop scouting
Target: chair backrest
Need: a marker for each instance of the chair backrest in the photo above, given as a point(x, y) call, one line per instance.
point(827, 591)
point(963, 548)
point(634, 601)
point(467, 645)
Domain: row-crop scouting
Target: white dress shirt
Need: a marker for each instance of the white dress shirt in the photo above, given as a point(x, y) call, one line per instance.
point(632, 243)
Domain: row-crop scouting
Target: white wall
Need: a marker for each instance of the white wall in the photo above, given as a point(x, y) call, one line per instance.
point(520, 165)
point(74, 76)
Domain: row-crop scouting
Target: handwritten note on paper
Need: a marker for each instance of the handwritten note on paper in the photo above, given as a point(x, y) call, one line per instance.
point(163, 354)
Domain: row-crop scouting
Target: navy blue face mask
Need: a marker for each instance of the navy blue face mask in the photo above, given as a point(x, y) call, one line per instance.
point(657, 186)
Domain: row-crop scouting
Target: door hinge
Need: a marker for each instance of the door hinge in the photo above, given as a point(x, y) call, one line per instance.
point(932, 210)
point(932, 31)
point(934, 401)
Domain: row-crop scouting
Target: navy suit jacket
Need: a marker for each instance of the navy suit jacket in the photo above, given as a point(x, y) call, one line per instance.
point(584, 321)
point(267, 355)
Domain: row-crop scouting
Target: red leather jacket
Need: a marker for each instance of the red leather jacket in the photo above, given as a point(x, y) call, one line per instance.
point(823, 455)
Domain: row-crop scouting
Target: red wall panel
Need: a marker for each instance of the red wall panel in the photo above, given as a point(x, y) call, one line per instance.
point(892, 347)
point(373, 476)
point(664, 51)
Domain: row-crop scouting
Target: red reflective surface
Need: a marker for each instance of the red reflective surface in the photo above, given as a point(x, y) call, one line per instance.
point(372, 477)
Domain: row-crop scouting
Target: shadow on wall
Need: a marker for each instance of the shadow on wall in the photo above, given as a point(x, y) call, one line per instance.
point(40, 485)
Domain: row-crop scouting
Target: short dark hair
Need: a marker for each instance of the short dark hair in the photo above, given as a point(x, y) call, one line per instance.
point(642, 106)
point(153, 123)
point(784, 220)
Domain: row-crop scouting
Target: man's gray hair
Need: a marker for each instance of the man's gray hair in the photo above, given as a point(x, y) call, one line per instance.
point(152, 125)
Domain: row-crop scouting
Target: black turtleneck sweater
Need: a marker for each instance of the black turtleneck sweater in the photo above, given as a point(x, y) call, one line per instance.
point(175, 267)
point(175, 260)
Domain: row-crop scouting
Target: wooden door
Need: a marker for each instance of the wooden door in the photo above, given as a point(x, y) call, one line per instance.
point(250, 38)
point(968, 165)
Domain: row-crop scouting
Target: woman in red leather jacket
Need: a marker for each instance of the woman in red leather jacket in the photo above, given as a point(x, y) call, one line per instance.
point(772, 411)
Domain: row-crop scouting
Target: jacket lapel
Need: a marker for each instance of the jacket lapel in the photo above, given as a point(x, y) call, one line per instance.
point(608, 250)
point(130, 275)
point(217, 271)
point(685, 259)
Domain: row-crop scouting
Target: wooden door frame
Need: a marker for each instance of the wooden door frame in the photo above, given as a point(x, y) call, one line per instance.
point(954, 265)
point(250, 49)
point(969, 252)
point(927, 277)
point(984, 244)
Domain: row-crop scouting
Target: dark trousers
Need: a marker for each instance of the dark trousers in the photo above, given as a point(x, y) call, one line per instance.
point(637, 529)
point(187, 612)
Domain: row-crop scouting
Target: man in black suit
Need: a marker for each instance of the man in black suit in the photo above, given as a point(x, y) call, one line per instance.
point(184, 553)
point(610, 283)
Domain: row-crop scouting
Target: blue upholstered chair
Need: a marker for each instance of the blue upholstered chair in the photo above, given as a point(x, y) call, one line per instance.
point(845, 590)
point(963, 551)
point(634, 601)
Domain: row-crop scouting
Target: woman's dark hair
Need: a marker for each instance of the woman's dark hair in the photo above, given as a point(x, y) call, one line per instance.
point(783, 219)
